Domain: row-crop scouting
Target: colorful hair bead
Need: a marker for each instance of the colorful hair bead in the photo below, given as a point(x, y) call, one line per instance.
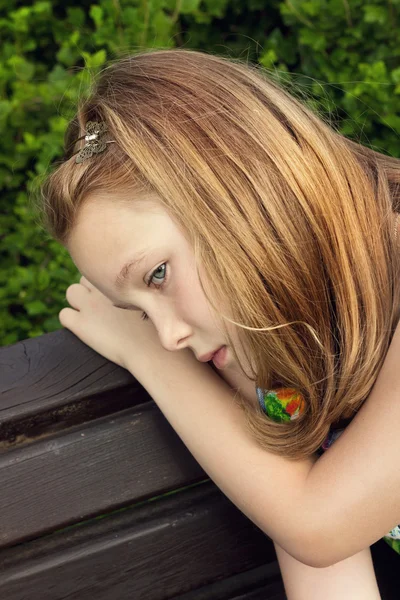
point(281, 404)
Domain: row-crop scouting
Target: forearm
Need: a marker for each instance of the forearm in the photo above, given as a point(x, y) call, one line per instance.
point(200, 407)
point(354, 488)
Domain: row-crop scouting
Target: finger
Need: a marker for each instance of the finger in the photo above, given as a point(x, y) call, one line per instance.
point(66, 316)
point(76, 294)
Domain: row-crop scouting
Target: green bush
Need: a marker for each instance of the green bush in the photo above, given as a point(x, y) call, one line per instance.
point(341, 56)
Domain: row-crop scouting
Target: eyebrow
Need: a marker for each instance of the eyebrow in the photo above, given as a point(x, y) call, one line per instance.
point(123, 276)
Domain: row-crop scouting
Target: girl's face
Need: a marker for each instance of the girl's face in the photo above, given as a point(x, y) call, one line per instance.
point(112, 232)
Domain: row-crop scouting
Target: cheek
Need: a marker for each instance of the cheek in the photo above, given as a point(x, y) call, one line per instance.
point(193, 305)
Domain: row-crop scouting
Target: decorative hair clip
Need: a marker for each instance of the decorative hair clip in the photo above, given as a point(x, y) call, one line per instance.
point(281, 404)
point(94, 140)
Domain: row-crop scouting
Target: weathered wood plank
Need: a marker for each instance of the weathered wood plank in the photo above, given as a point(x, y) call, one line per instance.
point(152, 552)
point(91, 469)
point(80, 437)
point(54, 381)
point(261, 583)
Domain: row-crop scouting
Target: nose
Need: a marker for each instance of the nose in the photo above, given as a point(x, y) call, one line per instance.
point(174, 334)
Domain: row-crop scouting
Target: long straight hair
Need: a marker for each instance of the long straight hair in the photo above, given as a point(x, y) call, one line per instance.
point(291, 222)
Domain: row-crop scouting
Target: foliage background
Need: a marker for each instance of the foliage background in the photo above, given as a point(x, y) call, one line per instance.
point(341, 56)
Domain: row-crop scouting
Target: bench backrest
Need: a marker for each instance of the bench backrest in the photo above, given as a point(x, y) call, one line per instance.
point(86, 461)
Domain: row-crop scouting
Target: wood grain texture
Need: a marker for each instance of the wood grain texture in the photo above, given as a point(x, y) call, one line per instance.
point(155, 551)
point(54, 381)
point(85, 455)
point(90, 469)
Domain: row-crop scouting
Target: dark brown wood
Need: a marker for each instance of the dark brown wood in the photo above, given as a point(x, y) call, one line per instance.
point(86, 458)
point(90, 469)
point(261, 583)
point(54, 381)
point(154, 551)
point(80, 438)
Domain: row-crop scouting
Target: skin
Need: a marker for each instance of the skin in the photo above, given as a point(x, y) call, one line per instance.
point(109, 232)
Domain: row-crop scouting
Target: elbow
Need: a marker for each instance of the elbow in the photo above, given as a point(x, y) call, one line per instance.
point(311, 556)
point(321, 561)
point(317, 540)
point(320, 551)
point(312, 548)
point(314, 540)
point(318, 560)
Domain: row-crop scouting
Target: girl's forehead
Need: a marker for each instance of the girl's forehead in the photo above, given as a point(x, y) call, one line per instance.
point(113, 216)
point(110, 230)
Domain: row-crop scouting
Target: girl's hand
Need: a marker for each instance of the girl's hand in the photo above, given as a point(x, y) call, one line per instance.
point(114, 333)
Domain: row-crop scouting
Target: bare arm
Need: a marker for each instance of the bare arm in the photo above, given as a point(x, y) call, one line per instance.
point(200, 407)
point(353, 490)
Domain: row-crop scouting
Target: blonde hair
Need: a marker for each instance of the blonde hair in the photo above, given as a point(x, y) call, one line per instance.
point(291, 222)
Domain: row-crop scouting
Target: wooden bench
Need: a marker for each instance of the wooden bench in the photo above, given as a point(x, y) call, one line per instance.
point(86, 461)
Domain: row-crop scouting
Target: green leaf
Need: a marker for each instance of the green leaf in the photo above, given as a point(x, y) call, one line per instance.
point(396, 75)
point(76, 16)
point(375, 14)
point(189, 6)
point(94, 60)
point(23, 69)
point(36, 307)
point(5, 108)
point(58, 74)
point(268, 58)
point(66, 56)
point(42, 8)
point(96, 12)
point(43, 279)
point(314, 39)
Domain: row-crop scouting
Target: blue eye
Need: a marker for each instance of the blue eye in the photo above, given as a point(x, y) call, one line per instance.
point(162, 273)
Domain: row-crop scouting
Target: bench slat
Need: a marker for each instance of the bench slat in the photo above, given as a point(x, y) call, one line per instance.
point(54, 381)
point(154, 551)
point(92, 469)
point(261, 583)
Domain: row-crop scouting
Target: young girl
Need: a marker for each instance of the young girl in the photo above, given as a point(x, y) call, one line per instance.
point(199, 192)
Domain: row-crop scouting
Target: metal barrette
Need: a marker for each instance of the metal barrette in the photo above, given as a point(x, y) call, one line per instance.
point(94, 140)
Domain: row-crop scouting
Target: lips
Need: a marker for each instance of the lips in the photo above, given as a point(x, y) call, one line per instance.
point(220, 358)
point(208, 357)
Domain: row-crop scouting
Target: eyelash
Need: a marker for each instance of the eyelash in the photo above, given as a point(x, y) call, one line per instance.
point(144, 316)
